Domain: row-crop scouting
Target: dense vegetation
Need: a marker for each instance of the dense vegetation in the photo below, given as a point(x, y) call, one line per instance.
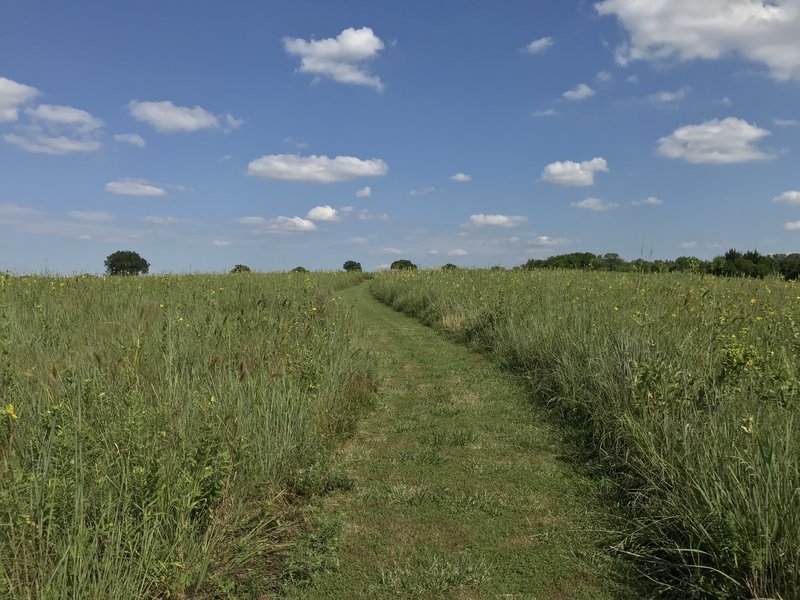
point(688, 387)
point(149, 426)
point(732, 263)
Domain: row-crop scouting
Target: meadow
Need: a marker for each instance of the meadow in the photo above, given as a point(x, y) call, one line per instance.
point(154, 430)
point(684, 388)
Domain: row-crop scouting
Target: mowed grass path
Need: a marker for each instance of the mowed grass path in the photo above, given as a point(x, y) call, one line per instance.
point(461, 489)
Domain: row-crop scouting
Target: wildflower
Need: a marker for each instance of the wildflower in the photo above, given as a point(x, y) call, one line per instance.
point(11, 412)
point(752, 300)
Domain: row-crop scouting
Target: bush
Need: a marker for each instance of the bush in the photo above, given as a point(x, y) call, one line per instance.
point(299, 270)
point(403, 265)
point(241, 269)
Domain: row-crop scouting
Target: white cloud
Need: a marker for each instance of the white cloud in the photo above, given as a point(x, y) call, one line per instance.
point(391, 250)
point(595, 204)
point(573, 173)
point(689, 245)
point(55, 115)
point(793, 226)
point(364, 192)
point(540, 46)
point(723, 141)
point(357, 241)
point(366, 215)
point(458, 252)
point(481, 220)
point(164, 116)
point(422, 192)
point(323, 213)
point(633, 79)
point(669, 97)
point(297, 144)
point(55, 129)
point(133, 187)
point(316, 169)
point(252, 220)
point(604, 76)
point(550, 112)
point(792, 198)
point(221, 243)
point(546, 240)
point(225, 157)
point(134, 139)
point(579, 92)
point(649, 201)
point(341, 58)
point(12, 96)
point(41, 143)
point(724, 101)
point(95, 216)
point(766, 32)
point(291, 224)
point(786, 122)
point(461, 178)
point(162, 220)
point(9, 210)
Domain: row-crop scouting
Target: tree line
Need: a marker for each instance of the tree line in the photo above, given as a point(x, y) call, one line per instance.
point(732, 264)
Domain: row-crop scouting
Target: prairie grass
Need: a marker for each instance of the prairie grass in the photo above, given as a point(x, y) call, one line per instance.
point(686, 385)
point(150, 427)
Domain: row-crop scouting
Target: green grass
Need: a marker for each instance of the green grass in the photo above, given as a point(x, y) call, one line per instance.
point(686, 386)
point(155, 430)
point(445, 503)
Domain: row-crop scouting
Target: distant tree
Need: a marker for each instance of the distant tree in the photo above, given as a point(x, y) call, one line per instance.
point(497, 268)
point(403, 265)
point(299, 270)
point(126, 262)
point(241, 269)
point(449, 267)
point(352, 266)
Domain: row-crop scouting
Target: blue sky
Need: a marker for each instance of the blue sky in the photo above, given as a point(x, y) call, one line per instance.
point(203, 134)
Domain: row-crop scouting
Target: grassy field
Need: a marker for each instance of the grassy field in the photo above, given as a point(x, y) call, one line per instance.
point(150, 427)
point(688, 388)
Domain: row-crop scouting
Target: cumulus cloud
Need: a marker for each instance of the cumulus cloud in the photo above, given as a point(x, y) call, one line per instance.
point(95, 216)
point(458, 252)
point(792, 226)
point(422, 192)
point(786, 122)
point(315, 169)
point(166, 117)
point(766, 32)
point(723, 141)
point(342, 58)
point(252, 220)
point(550, 112)
point(579, 92)
point(669, 97)
point(540, 46)
point(604, 76)
point(134, 139)
point(391, 250)
point(323, 213)
point(221, 243)
point(595, 204)
point(792, 198)
point(280, 224)
point(546, 240)
point(12, 96)
point(649, 201)
point(162, 220)
point(55, 129)
point(481, 220)
point(461, 178)
point(365, 192)
point(574, 173)
point(134, 187)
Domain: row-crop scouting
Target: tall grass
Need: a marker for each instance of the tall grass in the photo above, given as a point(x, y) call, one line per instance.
point(148, 426)
point(688, 386)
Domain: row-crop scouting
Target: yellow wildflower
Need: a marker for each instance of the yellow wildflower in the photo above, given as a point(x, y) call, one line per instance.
point(11, 412)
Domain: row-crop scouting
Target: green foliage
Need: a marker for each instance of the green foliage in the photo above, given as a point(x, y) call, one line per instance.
point(686, 385)
point(449, 267)
point(299, 270)
point(352, 266)
point(241, 269)
point(403, 265)
point(138, 459)
point(126, 262)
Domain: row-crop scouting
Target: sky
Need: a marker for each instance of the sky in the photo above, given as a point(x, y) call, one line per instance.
point(204, 134)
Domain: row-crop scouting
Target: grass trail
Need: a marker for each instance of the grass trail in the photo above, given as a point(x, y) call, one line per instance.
point(461, 490)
